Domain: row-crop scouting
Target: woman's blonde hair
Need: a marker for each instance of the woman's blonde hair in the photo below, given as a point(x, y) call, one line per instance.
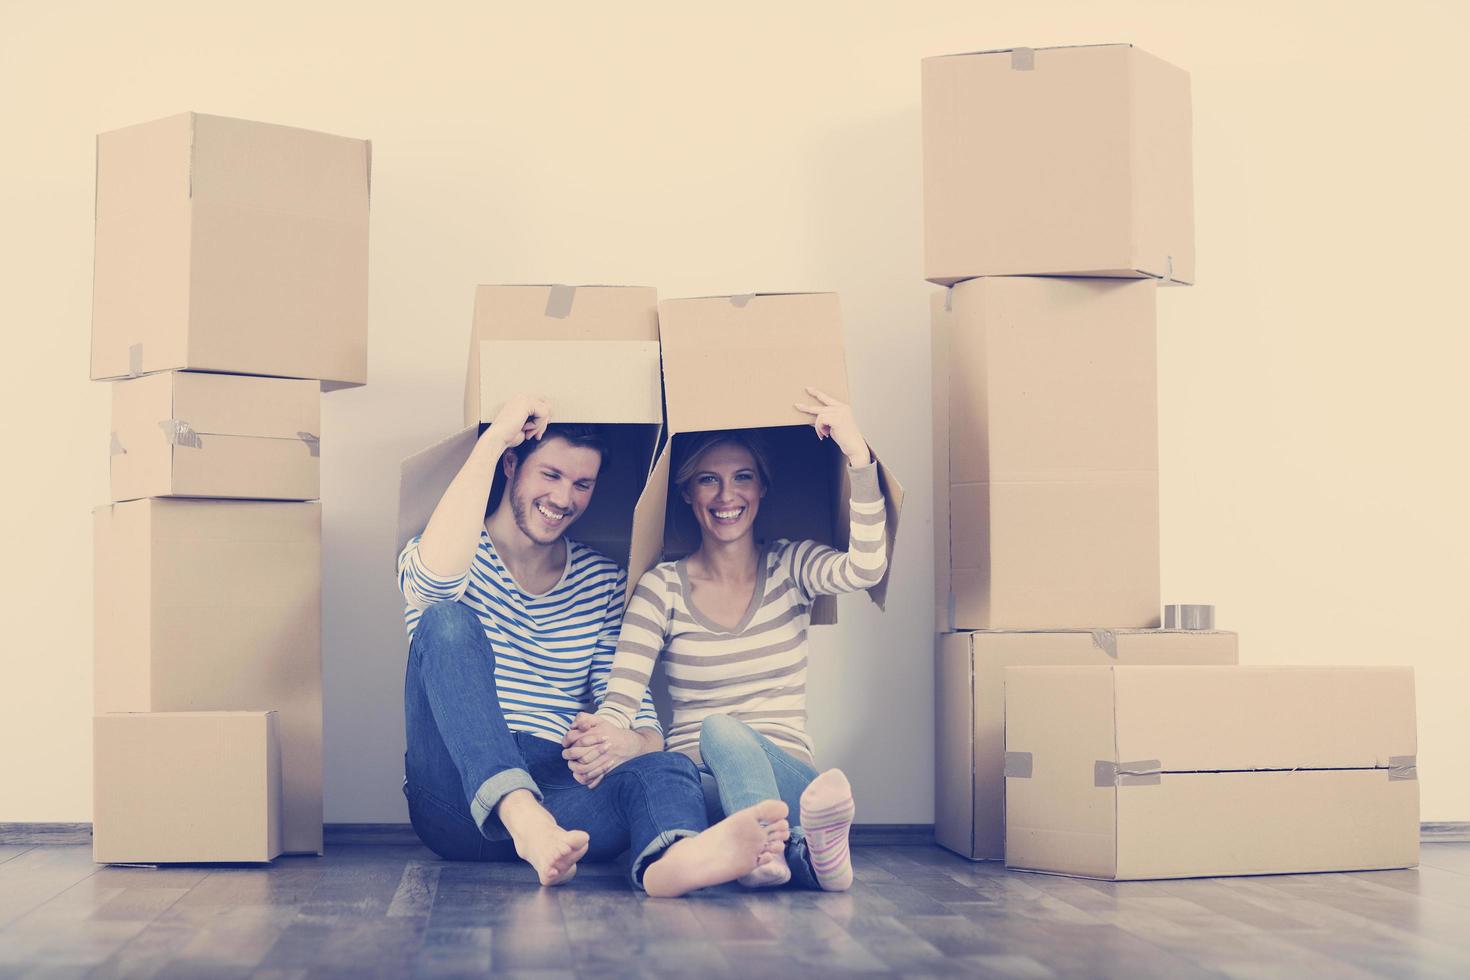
point(696, 445)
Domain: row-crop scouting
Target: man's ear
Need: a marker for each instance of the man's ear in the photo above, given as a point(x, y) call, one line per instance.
point(508, 461)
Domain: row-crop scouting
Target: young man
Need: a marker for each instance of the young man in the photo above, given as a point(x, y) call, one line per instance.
point(512, 628)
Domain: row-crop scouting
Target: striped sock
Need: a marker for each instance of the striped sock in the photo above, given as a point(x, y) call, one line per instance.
point(826, 815)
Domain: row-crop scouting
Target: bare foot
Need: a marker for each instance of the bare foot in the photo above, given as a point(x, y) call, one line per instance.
point(768, 874)
point(539, 840)
point(731, 848)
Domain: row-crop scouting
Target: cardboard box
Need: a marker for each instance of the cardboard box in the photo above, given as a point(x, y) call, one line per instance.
point(1046, 454)
point(1069, 161)
point(1175, 772)
point(231, 246)
point(192, 786)
point(545, 314)
point(215, 605)
point(743, 362)
point(587, 350)
point(969, 784)
point(181, 434)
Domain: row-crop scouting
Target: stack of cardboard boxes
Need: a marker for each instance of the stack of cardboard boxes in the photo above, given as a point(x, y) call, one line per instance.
point(230, 290)
point(1057, 201)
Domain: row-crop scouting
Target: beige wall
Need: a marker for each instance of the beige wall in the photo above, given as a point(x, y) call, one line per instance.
point(1314, 390)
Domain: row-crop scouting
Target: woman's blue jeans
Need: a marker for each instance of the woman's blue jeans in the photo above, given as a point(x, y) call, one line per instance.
point(463, 759)
point(747, 768)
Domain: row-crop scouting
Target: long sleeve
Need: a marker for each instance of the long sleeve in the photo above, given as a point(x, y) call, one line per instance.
point(639, 644)
point(603, 659)
point(820, 570)
point(421, 588)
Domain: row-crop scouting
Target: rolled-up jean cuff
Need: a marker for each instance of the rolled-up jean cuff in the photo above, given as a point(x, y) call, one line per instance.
point(489, 795)
point(653, 851)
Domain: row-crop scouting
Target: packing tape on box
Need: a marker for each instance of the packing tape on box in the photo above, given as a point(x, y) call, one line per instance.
point(949, 299)
point(1145, 772)
point(180, 433)
point(115, 447)
point(1184, 616)
point(559, 301)
point(1023, 59)
point(313, 444)
point(1403, 767)
point(1167, 279)
point(135, 360)
point(740, 299)
point(1018, 765)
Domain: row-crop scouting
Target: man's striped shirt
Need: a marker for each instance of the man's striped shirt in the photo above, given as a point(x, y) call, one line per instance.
point(755, 672)
point(552, 651)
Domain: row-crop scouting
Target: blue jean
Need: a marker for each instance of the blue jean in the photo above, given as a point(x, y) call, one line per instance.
point(463, 759)
point(747, 768)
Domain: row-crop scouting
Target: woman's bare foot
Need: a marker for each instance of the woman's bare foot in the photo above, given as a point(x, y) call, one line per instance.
point(768, 874)
point(731, 848)
point(539, 840)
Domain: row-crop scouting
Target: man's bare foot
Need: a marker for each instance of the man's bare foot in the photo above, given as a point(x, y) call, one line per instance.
point(539, 840)
point(731, 848)
point(768, 874)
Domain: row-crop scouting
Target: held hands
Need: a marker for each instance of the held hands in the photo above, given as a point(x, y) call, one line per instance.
point(834, 419)
point(595, 746)
point(522, 417)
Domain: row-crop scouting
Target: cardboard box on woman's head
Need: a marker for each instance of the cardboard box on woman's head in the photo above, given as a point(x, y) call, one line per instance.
point(743, 362)
point(592, 352)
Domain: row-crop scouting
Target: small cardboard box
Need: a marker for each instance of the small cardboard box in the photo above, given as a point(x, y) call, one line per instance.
point(189, 786)
point(969, 783)
point(182, 434)
point(743, 362)
point(1066, 161)
point(592, 352)
point(231, 246)
point(1176, 772)
point(1046, 454)
point(215, 605)
point(545, 314)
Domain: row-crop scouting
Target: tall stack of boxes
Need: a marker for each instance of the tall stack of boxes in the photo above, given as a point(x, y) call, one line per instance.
point(230, 289)
point(1058, 199)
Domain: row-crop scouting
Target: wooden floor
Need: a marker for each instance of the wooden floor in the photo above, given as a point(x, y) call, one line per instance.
point(916, 911)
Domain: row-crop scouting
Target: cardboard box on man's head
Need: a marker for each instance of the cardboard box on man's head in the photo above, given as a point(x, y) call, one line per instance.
point(1063, 161)
point(743, 362)
point(231, 246)
point(589, 352)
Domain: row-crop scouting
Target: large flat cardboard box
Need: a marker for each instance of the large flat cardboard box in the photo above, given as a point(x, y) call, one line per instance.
point(743, 362)
point(231, 246)
point(969, 683)
point(1046, 454)
point(592, 352)
point(1176, 772)
point(190, 786)
point(618, 322)
point(184, 434)
point(1067, 161)
point(215, 605)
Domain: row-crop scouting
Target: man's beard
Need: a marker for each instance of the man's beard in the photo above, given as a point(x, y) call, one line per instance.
point(520, 509)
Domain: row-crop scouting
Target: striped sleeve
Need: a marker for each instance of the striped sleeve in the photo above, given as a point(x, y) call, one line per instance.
point(422, 588)
point(640, 642)
point(820, 570)
point(602, 658)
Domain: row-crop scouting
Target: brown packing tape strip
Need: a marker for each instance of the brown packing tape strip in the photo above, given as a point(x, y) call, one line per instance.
point(115, 447)
point(180, 433)
point(1144, 772)
point(559, 301)
point(1023, 59)
point(313, 444)
point(135, 360)
point(1402, 767)
point(1018, 765)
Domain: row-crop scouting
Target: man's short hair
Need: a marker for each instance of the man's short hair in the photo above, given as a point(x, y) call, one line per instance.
point(580, 436)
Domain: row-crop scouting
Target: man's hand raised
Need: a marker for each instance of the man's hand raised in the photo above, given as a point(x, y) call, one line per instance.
point(522, 417)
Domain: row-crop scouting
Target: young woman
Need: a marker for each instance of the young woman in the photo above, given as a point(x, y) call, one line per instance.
point(730, 621)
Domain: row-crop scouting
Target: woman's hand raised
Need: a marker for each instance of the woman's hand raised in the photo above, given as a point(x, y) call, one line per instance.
point(834, 419)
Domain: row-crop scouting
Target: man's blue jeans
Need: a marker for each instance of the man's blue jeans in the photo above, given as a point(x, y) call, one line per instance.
point(746, 768)
point(462, 759)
